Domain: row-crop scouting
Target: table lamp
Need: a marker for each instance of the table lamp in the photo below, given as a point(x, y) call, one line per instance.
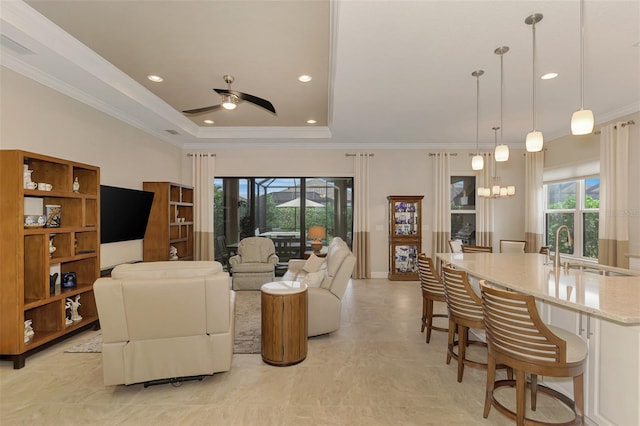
point(317, 233)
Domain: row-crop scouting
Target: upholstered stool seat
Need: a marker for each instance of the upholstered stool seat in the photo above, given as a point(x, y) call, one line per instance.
point(517, 338)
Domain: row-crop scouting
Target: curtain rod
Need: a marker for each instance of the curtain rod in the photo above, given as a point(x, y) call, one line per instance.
point(453, 154)
point(190, 154)
point(353, 155)
point(628, 123)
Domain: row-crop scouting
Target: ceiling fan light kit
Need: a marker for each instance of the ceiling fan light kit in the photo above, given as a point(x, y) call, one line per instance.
point(229, 102)
point(535, 140)
point(231, 99)
point(582, 120)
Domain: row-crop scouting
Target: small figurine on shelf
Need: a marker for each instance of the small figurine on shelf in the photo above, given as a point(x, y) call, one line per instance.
point(28, 331)
point(75, 304)
point(76, 185)
point(67, 320)
point(173, 253)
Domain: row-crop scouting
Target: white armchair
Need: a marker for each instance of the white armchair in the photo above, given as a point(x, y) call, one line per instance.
point(165, 321)
point(254, 264)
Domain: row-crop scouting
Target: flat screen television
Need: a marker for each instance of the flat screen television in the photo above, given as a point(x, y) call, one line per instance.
point(124, 213)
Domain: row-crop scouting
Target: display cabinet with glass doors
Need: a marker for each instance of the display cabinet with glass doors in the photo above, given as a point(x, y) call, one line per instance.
point(405, 236)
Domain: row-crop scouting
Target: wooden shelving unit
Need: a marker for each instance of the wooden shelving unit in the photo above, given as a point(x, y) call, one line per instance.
point(405, 236)
point(170, 221)
point(26, 262)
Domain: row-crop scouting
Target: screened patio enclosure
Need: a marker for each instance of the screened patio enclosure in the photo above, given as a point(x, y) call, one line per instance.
point(283, 209)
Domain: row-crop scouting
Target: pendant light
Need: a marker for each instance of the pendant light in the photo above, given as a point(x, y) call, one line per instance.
point(477, 162)
point(582, 120)
point(502, 151)
point(535, 140)
point(495, 190)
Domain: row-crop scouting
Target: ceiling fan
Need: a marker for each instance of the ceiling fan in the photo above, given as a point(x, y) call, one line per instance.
point(230, 99)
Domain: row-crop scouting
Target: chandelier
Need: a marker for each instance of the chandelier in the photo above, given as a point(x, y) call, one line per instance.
point(495, 190)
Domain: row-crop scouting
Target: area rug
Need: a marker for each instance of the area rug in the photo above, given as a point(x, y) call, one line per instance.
point(247, 328)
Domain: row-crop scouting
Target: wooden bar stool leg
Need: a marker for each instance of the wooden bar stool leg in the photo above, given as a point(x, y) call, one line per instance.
point(491, 378)
point(429, 318)
point(578, 398)
point(520, 397)
point(462, 349)
point(424, 315)
point(534, 391)
point(451, 341)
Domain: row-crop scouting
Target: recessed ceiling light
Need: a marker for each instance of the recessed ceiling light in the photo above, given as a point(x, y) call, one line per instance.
point(155, 78)
point(311, 121)
point(549, 76)
point(209, 121)
point(304, 78)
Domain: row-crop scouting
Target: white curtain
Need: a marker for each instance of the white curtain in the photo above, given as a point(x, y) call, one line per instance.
point(203, 166)
point(361, 236)
point(534, 201)
point(613, 229)
point(442, 203)
point(484, 206)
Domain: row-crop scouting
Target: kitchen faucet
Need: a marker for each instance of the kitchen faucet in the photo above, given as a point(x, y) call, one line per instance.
point(556, 259)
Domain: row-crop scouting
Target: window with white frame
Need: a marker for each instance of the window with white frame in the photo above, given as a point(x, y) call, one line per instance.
point(573, 203)
point(463, 209)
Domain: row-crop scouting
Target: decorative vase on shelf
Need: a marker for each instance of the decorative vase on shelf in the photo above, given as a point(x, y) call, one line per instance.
point(76, 185)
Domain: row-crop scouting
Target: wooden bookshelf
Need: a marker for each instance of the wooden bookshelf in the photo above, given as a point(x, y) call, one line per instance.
point(26, 259)
point(170, 221)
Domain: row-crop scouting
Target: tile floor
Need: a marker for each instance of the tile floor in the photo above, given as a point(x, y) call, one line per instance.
point(376, 370)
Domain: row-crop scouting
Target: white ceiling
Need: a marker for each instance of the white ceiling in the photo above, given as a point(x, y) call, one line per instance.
point(385, 72)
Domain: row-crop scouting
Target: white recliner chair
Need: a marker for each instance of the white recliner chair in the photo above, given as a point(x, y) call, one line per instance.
point(163, 321)
point(255, 263)
point(327, 282)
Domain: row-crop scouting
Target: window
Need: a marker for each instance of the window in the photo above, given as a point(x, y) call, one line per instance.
point(463, 209)
point(283, 209)
point(574, 203)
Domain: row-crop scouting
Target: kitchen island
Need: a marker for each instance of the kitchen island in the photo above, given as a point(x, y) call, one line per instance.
point(600, 304)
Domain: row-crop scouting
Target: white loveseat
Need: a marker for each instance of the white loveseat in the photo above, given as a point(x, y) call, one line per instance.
point(327, 285)
point(165, 320)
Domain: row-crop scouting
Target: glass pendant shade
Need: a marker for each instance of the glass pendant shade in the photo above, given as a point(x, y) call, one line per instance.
point(582, 122)
point(477, 162)
point(229, 102)
point(495, 189)
point(511, 190)
point(534, 141)
point(502, 153)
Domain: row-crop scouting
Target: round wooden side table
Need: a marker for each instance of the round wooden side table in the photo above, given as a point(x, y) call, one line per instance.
point(284, 322)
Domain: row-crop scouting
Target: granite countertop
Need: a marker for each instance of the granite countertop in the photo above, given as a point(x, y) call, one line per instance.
point(616, 298)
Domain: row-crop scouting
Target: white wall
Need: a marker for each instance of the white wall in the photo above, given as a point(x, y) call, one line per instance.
point(37, 119)
point(393, 172)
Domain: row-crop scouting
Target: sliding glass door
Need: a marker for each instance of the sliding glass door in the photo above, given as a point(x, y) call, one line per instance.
point(285, 210)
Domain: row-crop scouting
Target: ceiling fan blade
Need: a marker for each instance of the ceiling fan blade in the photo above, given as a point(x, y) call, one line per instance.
point(263, 103)
point(201, 110)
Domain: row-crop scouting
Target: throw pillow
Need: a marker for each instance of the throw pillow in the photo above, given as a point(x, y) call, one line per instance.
point(313, 279)
point(313, 263)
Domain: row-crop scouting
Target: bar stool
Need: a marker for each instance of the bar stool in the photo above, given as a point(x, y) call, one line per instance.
point(517, 338)
point(477, 249)
point(465, 311)
point(432, 291)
